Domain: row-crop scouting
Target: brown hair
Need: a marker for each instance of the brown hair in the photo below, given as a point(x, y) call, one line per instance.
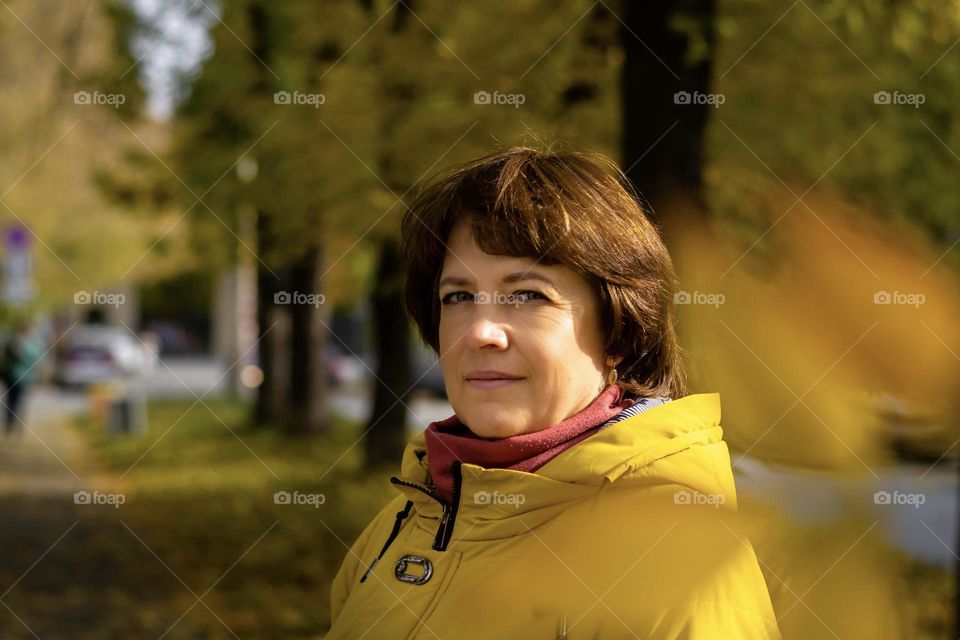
point(563, 207)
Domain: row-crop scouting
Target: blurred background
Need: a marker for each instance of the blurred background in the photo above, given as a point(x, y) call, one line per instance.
point(207, 373)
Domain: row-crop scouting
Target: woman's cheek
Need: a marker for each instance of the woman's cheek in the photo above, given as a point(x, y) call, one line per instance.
point(446, 330)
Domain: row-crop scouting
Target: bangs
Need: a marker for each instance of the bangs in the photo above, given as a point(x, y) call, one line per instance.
point(525, 207)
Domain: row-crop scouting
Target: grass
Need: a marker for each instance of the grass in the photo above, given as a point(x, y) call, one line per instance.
point(199, 514)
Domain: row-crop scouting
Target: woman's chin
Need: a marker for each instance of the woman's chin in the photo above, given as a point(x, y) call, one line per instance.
point(488, 424)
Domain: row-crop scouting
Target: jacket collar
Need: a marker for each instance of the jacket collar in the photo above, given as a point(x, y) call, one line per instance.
point(496, 503)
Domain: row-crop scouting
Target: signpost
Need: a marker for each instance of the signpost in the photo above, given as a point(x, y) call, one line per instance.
point(17, 265)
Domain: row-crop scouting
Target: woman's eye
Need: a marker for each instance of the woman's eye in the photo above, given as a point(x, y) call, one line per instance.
point(528, 296)
point(515, 298)
point(446, 299)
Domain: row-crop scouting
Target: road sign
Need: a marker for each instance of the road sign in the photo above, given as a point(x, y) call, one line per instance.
point(17, 265)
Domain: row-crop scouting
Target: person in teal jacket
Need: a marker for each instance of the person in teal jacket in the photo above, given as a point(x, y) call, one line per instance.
point(22, 352)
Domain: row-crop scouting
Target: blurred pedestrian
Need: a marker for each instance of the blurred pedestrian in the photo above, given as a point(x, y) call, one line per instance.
point(22, 351)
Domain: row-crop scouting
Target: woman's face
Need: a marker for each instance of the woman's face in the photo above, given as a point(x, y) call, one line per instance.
point(537, 324)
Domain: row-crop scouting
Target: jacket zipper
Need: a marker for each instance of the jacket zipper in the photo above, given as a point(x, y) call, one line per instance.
point(448, 517)
point(419, 487)
point(447, 520)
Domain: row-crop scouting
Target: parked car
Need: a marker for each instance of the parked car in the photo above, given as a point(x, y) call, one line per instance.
point(101, 353)
point(345, 368)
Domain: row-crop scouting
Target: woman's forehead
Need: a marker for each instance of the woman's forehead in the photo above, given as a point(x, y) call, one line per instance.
point(465, 263)
point(462, 247)
point(463, 250)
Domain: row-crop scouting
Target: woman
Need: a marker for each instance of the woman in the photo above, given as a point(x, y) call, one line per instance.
point(576, 492)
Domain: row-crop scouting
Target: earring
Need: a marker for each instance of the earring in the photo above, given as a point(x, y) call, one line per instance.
point(612, 376)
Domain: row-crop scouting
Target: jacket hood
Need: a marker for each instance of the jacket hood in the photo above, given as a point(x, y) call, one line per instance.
point(676, 443)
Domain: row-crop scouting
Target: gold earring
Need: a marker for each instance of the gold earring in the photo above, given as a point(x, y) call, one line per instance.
point(612, 376)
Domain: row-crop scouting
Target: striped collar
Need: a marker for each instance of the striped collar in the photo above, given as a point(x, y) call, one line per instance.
point(639, 406)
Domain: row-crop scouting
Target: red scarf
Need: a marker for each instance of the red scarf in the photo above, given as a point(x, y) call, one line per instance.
point(449, 440)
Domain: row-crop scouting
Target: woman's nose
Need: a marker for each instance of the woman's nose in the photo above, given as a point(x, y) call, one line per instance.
point(485, 330)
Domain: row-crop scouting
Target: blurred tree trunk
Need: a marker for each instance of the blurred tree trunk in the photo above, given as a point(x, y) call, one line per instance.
point(386, 436)
point(272, 320)
point(271, 345)
point(386, 430)
point(663, 142)
point(308, 337)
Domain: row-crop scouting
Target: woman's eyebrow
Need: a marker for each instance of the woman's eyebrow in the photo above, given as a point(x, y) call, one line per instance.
point(527, 275)
point(516, 276)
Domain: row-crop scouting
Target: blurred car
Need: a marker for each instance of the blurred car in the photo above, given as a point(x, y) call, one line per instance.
point(100, 353)
point(345, 368)
point(173, 338)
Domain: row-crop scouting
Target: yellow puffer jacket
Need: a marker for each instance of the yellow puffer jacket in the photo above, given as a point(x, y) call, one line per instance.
point(631, 533)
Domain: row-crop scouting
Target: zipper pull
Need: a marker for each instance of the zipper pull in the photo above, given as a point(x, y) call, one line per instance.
point(401, 515)
point(442, 529)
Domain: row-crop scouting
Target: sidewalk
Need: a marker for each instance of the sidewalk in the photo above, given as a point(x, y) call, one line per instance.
point(46, 457)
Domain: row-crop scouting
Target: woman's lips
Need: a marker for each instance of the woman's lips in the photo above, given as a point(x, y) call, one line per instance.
point(491, 384)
